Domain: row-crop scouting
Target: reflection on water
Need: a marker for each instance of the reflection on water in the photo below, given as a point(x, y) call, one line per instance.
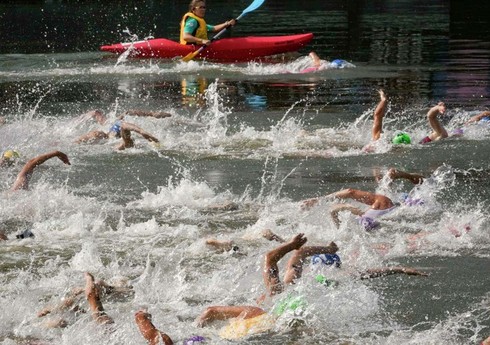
point(193, 89)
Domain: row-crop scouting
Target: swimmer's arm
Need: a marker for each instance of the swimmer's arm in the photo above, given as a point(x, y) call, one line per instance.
point(156, 114)
point(22, 181)
point(386, 271)
point(133, 128)
point(91, 136)
point(478, 117)
point(97, 115)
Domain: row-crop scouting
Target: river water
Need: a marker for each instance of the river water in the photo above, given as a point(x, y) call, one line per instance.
point(259, 135)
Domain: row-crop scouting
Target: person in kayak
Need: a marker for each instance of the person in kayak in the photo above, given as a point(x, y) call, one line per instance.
point(193, 27)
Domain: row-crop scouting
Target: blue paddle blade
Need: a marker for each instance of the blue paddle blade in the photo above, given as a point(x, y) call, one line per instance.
point(252, 7)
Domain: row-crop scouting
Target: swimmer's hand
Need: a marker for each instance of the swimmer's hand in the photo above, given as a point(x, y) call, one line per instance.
point(156, 144)
point(309, 203)
point(63, 157)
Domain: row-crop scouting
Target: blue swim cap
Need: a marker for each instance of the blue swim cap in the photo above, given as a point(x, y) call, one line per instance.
point(485, 119)
point(338, 63)
point(116, 128)
point(194, 340)
point(326, 259)
point(368, 223)
point(401, 138)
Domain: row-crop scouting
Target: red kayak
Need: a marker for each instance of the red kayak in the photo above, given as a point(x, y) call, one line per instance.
point(226, 49)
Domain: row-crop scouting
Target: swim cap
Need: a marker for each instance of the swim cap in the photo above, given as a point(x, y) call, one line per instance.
point(326, 259)
point(338, 63)
point(485, 119)
point(290, 303)
point(401, 138)
point(457, 131)
point(116, 128)
point(25, 234)
point(10, 154)
point(324, 281)
point(409, 201)
point(368, 223)
point(194, 340)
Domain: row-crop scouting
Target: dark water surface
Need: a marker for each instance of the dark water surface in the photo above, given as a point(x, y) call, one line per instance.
point(259, 135)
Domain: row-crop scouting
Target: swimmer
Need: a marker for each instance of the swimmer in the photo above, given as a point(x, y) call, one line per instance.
point(486, 341)
point(438, 131)
point(484, 117)
point(294, 269)
point(120, 129)
point(101, 119)
point(149, 331)
point(226, 246)
point(317, 64)
point(73, 301)
point(380, 205)
point(272, 281)
point(23, 178)
point(9, 157)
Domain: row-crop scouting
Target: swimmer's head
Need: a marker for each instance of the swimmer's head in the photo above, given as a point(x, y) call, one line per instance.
point(338, 63)
point(195, 339)
point(320, 278)
point(291, 303)
point(326, 259)
point(401, 138)
point(10, 156)
point(409, 201)
point(368, 223)
point(25, 234)
point(115, 130)
point(485, 119)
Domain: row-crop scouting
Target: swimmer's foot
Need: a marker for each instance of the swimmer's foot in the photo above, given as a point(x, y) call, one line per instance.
point(269, 235)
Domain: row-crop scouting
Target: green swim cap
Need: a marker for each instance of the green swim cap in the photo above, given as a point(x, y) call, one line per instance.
point(401, 138)
point(320, 278)
point(290, 303)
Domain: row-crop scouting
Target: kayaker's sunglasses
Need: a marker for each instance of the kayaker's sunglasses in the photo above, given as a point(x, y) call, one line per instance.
point(203, 7)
